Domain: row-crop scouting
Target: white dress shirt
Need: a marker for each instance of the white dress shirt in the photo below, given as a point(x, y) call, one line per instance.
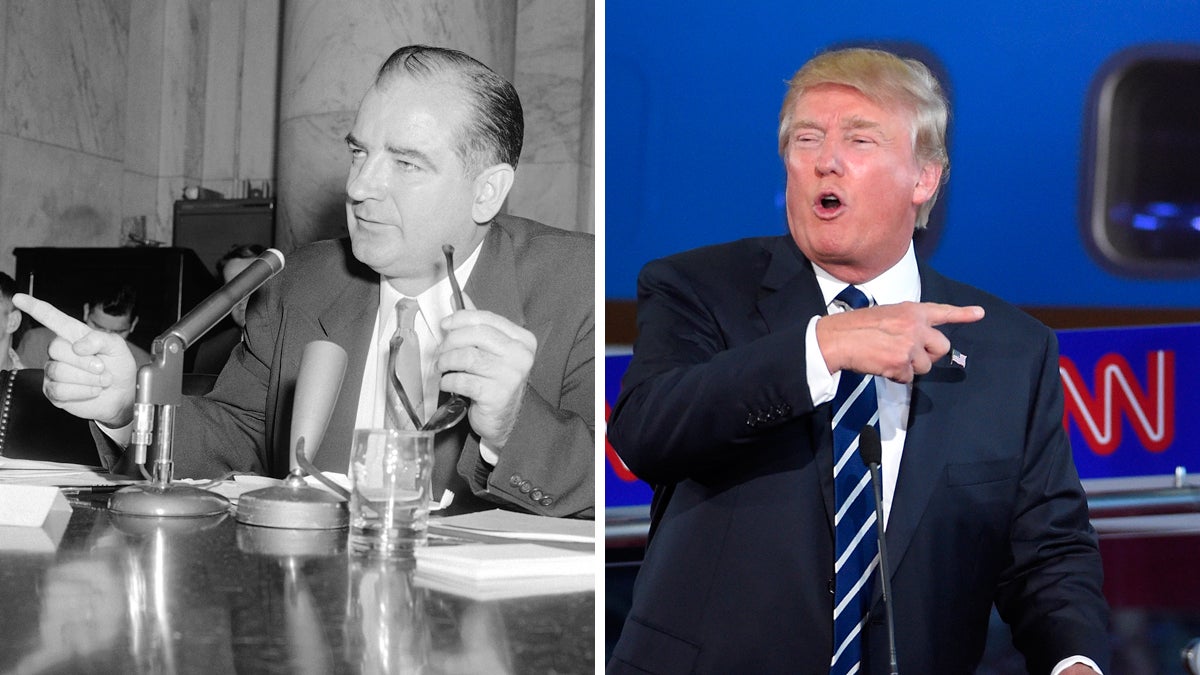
point(900, 283)
point(436, 303)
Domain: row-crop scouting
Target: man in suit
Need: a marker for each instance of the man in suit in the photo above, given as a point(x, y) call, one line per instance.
point(432, 153)
point(727, 409)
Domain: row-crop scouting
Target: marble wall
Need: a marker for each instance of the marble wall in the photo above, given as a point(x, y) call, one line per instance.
point(110, 107)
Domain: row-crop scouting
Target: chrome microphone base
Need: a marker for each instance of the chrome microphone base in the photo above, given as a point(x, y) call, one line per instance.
point(173, 500)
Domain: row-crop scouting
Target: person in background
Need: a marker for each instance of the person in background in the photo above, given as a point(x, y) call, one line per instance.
point(111, 308)
point(751, 392)
point(432, 156)
point(10, 320)
point(213, 350)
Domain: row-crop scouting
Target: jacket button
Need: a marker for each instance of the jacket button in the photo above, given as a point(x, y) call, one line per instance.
point(546, 501)
point(831, 587)
point(525, 487)
point(536, 495)
point(515, 480)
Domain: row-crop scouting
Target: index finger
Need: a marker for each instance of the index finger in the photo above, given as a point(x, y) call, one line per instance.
point(941, 314)
point(66, 327)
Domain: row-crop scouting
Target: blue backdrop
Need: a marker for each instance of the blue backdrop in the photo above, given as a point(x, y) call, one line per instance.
point(693, 92)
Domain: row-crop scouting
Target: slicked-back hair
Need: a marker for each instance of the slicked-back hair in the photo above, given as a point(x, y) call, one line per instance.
point(495, 129)
point(889, 81)
point(115, 300)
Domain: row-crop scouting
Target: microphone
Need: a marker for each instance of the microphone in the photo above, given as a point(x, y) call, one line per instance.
point(295, 504)
point(322, 367)
point(212, 309)
point(871, 451)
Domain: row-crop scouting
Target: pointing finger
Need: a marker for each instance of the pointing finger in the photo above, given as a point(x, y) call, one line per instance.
point(66, 327)
point(951, 314)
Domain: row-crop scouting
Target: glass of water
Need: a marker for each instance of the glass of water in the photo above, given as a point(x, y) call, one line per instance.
point(390, 490)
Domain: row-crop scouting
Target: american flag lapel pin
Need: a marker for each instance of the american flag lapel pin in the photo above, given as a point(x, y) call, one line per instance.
point(958, 358)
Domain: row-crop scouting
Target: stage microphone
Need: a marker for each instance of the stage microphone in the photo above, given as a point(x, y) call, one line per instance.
point(871, 451)
point(295, 504)
point(212, 309)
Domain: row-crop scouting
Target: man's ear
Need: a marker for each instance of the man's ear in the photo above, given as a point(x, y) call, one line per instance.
point(14, 321)
point(927, 183)
point(133, 324)
point(491, 189)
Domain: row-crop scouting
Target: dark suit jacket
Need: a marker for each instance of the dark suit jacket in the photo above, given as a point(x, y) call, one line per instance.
point(214, 349)
point(537, 276)
point(716, 413)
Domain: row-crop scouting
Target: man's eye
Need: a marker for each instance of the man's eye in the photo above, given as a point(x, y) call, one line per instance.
point(357, 153)
point(408, 167)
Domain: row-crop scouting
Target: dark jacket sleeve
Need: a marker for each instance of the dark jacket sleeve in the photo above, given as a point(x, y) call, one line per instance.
point(694, 389)
point(1051, 593)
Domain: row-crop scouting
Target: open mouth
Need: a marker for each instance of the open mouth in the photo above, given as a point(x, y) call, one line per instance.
point(828, 204)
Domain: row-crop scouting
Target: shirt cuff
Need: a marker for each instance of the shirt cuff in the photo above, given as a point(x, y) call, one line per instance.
point(1072, 660)
point(121, 435)
point(490, 456)
point(822, 385)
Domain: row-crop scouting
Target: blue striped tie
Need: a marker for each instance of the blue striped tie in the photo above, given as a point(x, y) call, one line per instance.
point(854, 406)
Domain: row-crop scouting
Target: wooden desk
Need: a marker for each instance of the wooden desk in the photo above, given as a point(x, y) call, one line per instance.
point(130, 595)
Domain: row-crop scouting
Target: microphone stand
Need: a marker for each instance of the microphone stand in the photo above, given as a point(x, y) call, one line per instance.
point(159, 392)
point(884, 575)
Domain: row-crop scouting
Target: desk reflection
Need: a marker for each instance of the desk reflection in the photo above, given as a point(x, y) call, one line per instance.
point(138, 595)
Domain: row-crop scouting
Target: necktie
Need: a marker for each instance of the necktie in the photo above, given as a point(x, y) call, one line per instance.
point(404, 368)
point(854, 406)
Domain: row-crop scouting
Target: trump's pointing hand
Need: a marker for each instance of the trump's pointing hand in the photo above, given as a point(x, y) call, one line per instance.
point(90, 373)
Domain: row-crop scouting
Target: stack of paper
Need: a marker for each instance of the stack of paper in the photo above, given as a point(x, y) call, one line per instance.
point(496, 571)
point(497, 523)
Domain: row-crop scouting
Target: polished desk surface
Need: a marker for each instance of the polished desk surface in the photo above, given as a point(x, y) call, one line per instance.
point(137, 595)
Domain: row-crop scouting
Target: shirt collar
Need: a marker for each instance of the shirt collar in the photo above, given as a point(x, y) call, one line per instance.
point(899, 283)
point(437, 301)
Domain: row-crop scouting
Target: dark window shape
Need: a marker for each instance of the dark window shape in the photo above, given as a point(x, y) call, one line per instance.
point(1141, 176)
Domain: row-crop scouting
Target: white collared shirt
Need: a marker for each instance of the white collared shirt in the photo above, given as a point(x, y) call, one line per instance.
point(436, 303)
point(899, 283)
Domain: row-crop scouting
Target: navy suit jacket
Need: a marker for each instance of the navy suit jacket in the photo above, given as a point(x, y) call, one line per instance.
point(716, 413)
point(538, 277)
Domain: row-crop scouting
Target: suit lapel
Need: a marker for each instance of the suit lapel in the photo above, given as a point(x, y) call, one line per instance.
point(926, 447)
point(347, 319)
point(789, 296)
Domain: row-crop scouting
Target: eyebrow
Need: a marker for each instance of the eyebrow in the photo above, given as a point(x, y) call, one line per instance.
point(399, 151)
point(852, 123)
